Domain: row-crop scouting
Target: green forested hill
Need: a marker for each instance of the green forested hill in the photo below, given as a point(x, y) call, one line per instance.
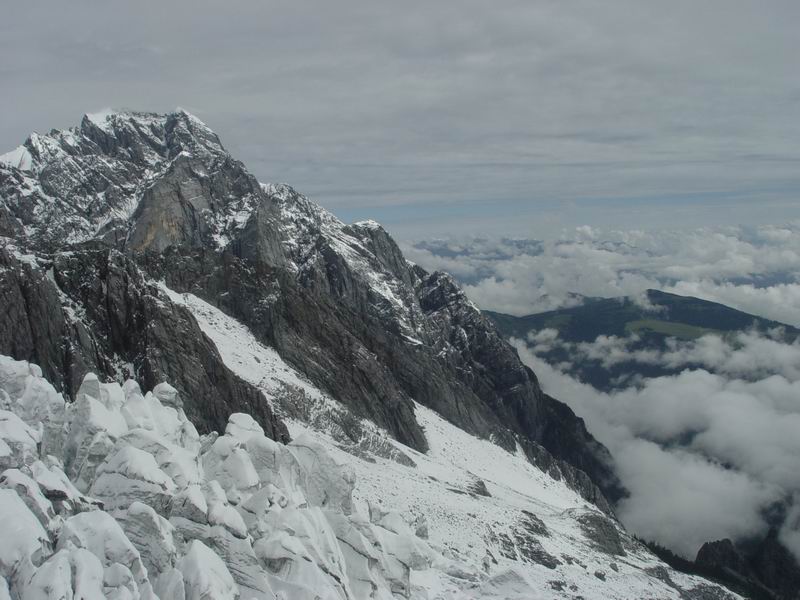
point(647, 323)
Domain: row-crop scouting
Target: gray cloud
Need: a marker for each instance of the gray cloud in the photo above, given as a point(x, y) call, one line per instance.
point(754, 269)
point(746, 355)
point(702, 454)
point(443, 117)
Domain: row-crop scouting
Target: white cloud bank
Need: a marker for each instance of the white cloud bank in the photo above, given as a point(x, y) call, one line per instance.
point(749, 355)
point(702, 454)
point(754, 269)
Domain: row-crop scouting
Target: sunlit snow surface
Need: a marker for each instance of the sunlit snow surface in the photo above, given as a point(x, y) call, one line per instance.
point(463, 525)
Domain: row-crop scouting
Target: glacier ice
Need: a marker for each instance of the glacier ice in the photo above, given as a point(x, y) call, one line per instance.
point(150, 510)
point(116, 495)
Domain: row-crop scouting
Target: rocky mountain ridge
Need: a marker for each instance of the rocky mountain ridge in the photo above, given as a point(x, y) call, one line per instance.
point(129, 193)
point(135, 246)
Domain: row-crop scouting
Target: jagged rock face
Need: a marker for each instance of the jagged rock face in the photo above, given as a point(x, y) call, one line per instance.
point(776, 567)
point(723, 554)
point(766, 569)
point(91, 310)
point(339, 302)
point(87, 181)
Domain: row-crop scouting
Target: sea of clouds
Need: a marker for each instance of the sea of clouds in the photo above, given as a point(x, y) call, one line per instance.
point(754, 269)
point(748, 355)
point(705, 455)
point(711, 451)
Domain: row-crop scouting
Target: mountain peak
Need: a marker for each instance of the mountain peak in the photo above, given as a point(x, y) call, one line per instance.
point(141, 247)
point(139, 137)
point(368, 224)
point(151, 185)
point(104, 117)
point(18, 158)
point(80, 183)
point(101, 117)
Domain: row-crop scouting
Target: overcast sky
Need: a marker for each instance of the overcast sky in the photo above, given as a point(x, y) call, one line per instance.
point(445, 117)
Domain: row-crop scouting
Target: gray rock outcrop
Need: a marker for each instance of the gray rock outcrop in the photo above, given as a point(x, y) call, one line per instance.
point(112, 206)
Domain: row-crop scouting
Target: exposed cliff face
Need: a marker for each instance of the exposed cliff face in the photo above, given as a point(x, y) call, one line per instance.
point(129, 199)
point(91, 310)
point(763, 569)
point(84, 182)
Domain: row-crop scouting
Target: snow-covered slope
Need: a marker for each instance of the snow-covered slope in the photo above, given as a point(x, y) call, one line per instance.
point(116, 495)
point(511, 530)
